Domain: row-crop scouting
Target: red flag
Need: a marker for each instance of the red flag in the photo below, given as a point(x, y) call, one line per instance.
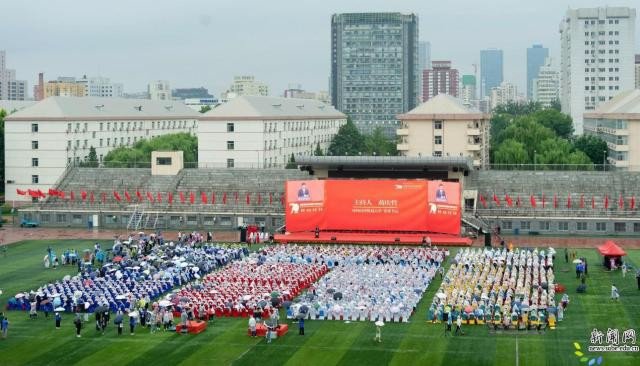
point(104, 197)
point(182, 199)
point(543, 200)
point(150, 196)
point(224, 198)
point(496, 199)
point(259, 199)
point(139, 195)
point(72, 196)
point(593, 202)
point(127, 196)
point(170, 197)
point(159, 197)
point(248, 199)
point(91, 197)
point(61, 194)
point(621, 202)
point(282, 200)
point(270, 198)
point(32, 193)
point(41, 194)
point(203, 197)
point(632, 205)
point(606, 201)
point(569, 201)
point(83, 194)
point(533, 201)
point(236, 196)
point(21, 192)
point(192, 198)
point(555, 201)
point(582, 201)
point(53, 192)
point(509, 200)
point(116, 195)
point(213, 198)
point(483, 201)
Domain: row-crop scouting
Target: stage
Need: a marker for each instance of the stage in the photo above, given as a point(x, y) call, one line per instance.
point(328, 237)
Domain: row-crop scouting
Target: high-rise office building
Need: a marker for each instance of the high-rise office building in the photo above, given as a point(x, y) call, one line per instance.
point(637, 71)
point(440, 79)
point(546, 86)
point(10, 88)
point(503, 94)
point(424, 62)
point(101, 87)
point(374, 67)
point(596, 58)
point(468, 92)
point(159, 90)
point(536, 56)
point(246, 85)
point(491, 72)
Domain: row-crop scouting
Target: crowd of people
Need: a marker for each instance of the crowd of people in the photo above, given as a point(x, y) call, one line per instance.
point(496, 284)
point(365, 283)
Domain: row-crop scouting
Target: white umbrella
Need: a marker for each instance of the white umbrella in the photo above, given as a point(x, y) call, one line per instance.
point(121, 297)
point(196, 269)
point(59, 309)
point(183, 264)
point(379, 323)
point(0, 292)
point(197, 276)
point(361, 307)
point(77, 294)
point(134, 314)
point(118, 275)
point(164, 303)
point(576, 261)
point(441, 295)
point(19, 296)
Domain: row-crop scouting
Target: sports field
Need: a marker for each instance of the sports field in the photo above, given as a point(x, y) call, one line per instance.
point(37, 342)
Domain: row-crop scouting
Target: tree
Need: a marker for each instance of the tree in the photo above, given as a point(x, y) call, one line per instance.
point(556, 105)
point(561, 123)
point(318, 151)
point(348, 141)
point(92, 159)
point(518, 108)
point(205, 108)
point(526, 130)
point(378, 144)
point(292, 163)
point(594, 147)
point(140, 153)
point(511, 152)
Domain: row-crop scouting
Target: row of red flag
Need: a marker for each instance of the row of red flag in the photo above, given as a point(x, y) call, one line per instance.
point(533, 201)
point(151, 197)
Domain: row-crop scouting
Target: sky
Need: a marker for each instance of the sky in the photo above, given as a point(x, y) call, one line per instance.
point(193, 43)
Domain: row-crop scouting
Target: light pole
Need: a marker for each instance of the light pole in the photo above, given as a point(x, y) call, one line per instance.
point(604, 160)
point(534, 159)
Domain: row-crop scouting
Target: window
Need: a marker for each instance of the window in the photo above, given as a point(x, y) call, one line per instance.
point(507, 225)
point(163, 161)
point(101, 142)
point(230, 145)
point(230, 127)
point(34, 179)
point(208, 220)
point(544, 225)
point(225, 220)
point(45, 218)
point(581, 226)
point(525, 225)
point(34, 127)
point(61, 218)
point(437, 125)
point(76, 219)
point(620, 227)
point(636, 227)
point(563, 226)
point(101, 126)
point(34, 162)
point(230, 163)
point(34, 145)
point(437, 154)
point(438, 140)
point(192, 220)
point(601, 226)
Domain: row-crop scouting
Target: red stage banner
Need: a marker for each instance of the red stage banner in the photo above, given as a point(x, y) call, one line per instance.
point(391, 205)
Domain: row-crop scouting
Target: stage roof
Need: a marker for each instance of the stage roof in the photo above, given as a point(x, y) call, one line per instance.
point(386, 162)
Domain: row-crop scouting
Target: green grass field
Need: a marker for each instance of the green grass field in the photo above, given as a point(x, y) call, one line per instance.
point(37, 342)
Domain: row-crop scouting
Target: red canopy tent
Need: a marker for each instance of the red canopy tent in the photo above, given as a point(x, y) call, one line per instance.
point(612, 254)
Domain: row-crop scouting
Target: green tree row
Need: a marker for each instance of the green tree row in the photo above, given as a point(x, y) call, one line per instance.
point(350, 141)
point(525, 133)
point(140, 153)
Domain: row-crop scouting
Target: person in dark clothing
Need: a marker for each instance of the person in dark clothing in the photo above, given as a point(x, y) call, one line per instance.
point(585, 266)
point(638, 278)
point(566, 255)
point(58, 320)
point(78, 323)
point(301, 326)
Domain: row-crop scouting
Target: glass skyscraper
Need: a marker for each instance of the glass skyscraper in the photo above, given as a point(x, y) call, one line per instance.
point(536, 56)
point(490, 70)
point(374, 67)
